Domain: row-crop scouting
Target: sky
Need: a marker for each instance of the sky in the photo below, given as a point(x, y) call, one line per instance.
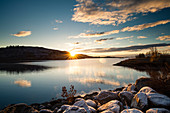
point(93, 27)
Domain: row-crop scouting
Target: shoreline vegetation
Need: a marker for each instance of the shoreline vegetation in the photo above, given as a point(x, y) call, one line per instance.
point(150, 95)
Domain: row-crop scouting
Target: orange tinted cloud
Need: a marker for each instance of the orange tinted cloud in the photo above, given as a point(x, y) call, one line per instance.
point(166, 38)
point(22, 34)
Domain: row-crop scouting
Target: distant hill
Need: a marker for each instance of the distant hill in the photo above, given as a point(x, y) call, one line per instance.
point(28, 53)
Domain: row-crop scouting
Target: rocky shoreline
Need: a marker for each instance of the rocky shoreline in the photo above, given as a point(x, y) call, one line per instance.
point(135, 98)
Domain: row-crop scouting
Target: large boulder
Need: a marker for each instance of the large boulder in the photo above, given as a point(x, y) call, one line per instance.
point(75, 109)
point(84, 105)
point(91, 103)
point(106, 96)
point(131, 88)
point(114, 106)
point(146, 90)
point(19, 108)
point(140, 101)
point(131, 111)
point(125, 97)
point(63, 107)
point(158, 100)
point(157, 110)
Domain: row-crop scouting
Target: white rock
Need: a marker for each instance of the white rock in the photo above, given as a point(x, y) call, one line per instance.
point(63, 107)
point(157, 110)
point(45, 111)
point(106, 96)
point(126, 97)
point(158, 100)
point(84, 105)
point(91, 103)
point(147, 89)
point(131, 111)
point(114, 106)
point(140, 101)
point(75, 109)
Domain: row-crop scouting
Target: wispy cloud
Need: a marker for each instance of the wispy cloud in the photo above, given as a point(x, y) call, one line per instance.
point(98, 34)
point(165, 37)
point(55, 28)
point(144, 26)
point(142, 37)
point(22, 34)
point(106, 12)
point(58, 21)
point(23, 83)
point(129, 48)
point(122, 38)
point(133, 28)
point(76, 43)
point(103, 39)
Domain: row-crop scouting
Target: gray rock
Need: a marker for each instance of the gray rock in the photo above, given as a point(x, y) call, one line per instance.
point(63, 107)
point(140, 101)
point(131, 111)
point(126, 97)
point(114, 106)
point(78, 99)
point(131, 88)
point(106, 96)
point(45, 111)
point(75, 109)
point(158, 100)
point(147, 89)
point(91, 103)
point(107, 111)
point(84, 105)
point(157, 110)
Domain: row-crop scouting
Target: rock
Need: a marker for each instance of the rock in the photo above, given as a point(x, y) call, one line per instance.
point(19, 108)
point(41, 107)
point(63, 107)
point(91, 103)
point(158, 100)
point(75, 109)
point(131, 88)
point(141, 82)
point(157, 110)
point(55, 110)
point(126, 107)
point(84, 105)
point(45, 111)
point(125, 97)
point(107, 111)
point(114, 106)
point(131, 111)
point(78, 99)
point(147, 89)
point(140, 101)
point(106, 96)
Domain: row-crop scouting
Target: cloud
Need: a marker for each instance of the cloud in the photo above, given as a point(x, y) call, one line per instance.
point(103, 39)
point(144, 26)
point(98, 34)
point(133, 28)
point(165, 37)
point(58, 21)
point(142, 37)
point(106, 12)
point(22, 34)
point(76, 43)
point(122, 38)
point(55, 28)
point(129, 48)
point(23, 83)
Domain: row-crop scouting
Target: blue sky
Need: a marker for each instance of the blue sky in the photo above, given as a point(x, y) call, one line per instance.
point(95, 27)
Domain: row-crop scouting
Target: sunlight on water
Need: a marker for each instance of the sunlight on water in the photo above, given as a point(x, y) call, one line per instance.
point(41, 85)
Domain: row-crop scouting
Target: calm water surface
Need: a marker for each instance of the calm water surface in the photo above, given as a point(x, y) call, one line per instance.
point(85, 74)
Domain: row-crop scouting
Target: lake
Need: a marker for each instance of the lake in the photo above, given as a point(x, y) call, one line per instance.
point(40, 85)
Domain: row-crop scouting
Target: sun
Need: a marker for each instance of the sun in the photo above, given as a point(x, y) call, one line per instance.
point(72, 53)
